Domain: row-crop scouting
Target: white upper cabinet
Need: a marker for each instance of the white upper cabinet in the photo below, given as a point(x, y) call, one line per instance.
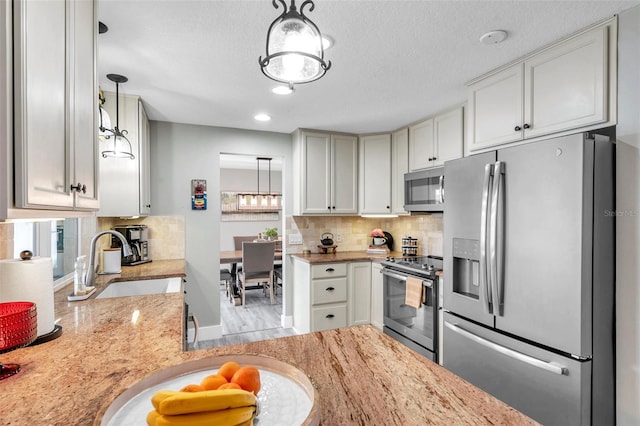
point(565, 87)
point(327, 171)
point(125, 183)
point(55, 102)
point(399, 166)
point(421, 145)
point(375, 174)
point(436, 140)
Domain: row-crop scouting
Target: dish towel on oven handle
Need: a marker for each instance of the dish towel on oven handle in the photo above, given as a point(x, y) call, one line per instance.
point(413, 296)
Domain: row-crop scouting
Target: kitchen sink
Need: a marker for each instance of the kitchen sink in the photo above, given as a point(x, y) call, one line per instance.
point(141, 287)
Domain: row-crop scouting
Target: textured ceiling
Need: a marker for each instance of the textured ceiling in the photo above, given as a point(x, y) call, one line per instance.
point(394, 62)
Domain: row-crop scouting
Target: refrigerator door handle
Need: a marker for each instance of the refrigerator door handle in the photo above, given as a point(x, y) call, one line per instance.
point(484, 240)
point(496, 238)
point(441, 184)
point(547, 366)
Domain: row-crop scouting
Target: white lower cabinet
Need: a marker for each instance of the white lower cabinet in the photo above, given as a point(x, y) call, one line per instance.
point(331, 295)
point(359, 293)
point(376, 296)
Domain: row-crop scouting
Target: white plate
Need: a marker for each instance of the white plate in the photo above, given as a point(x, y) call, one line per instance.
point(286, 395)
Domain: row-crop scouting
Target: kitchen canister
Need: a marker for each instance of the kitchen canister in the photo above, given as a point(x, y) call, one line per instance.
point(111, 259)
point(30, 280)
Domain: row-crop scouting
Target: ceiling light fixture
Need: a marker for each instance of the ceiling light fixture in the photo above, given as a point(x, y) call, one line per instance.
point(120, 146)
point(295, 53)
point(262, 117)
point(493, 37)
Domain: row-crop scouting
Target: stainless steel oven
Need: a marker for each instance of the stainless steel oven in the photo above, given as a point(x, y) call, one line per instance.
point(417, 328)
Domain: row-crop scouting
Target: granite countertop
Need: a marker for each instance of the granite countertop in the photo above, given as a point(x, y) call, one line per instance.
point(343, 256)
point(107, 345)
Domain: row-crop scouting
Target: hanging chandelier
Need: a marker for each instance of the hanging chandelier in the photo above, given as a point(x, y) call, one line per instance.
point(295, 53)
point(118, 144)
point(260, 201)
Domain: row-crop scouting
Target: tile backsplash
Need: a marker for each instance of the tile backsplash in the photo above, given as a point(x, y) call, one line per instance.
point(353, 231)
point(166, 234)
point(6, 240)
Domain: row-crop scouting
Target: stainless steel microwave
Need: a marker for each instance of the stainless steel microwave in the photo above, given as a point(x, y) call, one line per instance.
point(424, 190)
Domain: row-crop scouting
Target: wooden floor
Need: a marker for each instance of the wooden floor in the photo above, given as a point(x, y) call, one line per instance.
point(257, 320)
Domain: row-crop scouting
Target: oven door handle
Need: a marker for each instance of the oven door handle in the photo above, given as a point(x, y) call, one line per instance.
point(425, 282)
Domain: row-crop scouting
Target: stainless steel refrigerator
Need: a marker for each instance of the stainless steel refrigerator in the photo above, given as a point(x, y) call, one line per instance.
point(529, 268)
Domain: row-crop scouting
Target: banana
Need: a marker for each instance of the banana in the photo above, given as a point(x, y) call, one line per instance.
point(228, 417)
point(211, 400)
point(160, 395)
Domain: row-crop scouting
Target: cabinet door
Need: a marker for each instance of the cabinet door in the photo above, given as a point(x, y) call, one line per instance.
point(399, 166)
point(449, 135)
point(495, 109)
point(377, 313)
point(359, 293)
point(42, 169)
point(344, 174)
point(375, 174)
point(566, 86)
point(144, 161)
point(83, 96)
point(316, 179)
point(420, 145)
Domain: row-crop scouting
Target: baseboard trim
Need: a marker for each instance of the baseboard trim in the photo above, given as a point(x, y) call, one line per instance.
point(286, 321)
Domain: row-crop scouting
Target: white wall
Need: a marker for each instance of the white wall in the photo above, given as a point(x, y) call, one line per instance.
point(628, 220)
point(181, 152)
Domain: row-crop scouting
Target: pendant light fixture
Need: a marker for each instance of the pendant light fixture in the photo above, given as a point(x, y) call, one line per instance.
point(118, 144)
point(295, 53)
point(259, 201)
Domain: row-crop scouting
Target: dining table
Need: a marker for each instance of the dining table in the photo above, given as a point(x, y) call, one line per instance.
point(233, 257)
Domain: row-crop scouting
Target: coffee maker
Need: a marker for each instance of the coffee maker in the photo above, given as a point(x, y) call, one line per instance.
point(136, 236)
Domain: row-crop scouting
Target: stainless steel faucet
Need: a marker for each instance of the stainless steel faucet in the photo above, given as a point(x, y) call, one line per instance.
point(92, 269)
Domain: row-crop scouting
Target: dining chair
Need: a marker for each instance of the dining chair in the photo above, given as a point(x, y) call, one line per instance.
point(257, 266)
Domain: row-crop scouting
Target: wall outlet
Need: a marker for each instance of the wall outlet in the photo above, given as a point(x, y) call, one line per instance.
point(295, 239)
point(338, 238)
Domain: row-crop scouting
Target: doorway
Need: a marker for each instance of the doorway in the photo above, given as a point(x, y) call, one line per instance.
point(251, 204)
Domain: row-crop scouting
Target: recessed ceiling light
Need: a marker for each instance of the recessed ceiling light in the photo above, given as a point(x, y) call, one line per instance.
point(493, 37)
point(282, 90)
point(327, 41)
point(262, 117)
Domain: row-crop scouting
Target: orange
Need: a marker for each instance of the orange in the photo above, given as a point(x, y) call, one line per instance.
point(213, 381)
point(248, 377)
point(228, 369)
point(229, 386)
point(192, 388)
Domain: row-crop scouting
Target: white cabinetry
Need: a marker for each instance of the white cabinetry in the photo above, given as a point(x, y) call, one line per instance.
point(570, 85)
point(328, 171)
point(377, 314)
point(436, 140)
point(55, 98)
point(399, 166)
point(420, 145)
point(331, 295)
point(375, 174)
point(125, 186)
point(359, 306)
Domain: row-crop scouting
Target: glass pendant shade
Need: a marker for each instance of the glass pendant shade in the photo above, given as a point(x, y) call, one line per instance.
point(115, 140)
point(294, 48)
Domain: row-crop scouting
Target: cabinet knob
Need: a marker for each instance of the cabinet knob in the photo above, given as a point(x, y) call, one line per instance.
point(148, 206)
point(434, 158)
point(334, 207)
point(388, 207)
point(517, 128)
point(526, 126)
point(330, 289)
point(329, 207)
point(330, 316)
point(79, 188)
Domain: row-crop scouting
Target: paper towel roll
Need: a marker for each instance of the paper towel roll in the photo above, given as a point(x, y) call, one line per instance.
point(30, 281)
point(111, 261)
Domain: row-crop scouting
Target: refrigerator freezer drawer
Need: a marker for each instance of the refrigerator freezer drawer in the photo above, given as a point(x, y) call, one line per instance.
point(550, 388)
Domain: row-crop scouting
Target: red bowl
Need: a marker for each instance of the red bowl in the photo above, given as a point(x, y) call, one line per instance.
point(18, 325)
